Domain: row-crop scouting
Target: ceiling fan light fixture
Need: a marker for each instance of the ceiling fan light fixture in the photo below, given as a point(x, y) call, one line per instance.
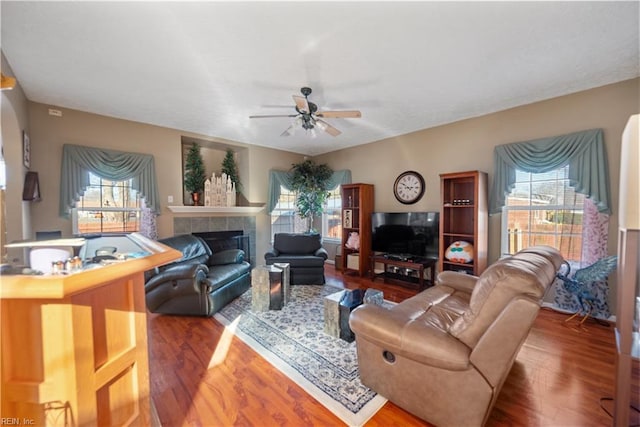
point(307, 123)
point(309, 118)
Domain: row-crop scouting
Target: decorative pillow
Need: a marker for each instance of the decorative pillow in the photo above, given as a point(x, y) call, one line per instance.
point(460, 251)
point(353, 241)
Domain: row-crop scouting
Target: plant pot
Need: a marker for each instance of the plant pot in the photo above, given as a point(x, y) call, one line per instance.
point(196, 198)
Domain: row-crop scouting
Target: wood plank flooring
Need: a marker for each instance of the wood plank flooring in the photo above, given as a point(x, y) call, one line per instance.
point(202, 376)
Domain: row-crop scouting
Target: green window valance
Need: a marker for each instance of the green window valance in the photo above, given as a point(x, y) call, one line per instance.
point(283, 178)
point(583, 151)
point(79, 161)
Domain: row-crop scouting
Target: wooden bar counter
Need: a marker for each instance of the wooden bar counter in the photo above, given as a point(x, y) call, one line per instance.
point(74, 347)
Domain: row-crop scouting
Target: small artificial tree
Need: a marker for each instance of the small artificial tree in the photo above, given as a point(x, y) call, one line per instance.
point(229, 167)
point(310, 181)
point(194, 176)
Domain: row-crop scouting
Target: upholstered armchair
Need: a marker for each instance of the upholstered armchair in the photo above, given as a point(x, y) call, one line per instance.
point(303, 252)
point(445, 353)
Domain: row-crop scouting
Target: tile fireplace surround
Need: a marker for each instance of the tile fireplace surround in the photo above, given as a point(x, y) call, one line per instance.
point(199, 224)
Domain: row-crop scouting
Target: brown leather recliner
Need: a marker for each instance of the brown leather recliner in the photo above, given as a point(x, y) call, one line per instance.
point(444, 354)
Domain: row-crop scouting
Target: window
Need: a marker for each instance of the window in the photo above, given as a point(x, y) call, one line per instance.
point(284, 218)
point(107, 207)
point(543, 209)
point(332, 216)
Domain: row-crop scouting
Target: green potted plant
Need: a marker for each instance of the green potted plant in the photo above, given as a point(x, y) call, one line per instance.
point(194, 176)
point(231, 169)
point(310, 181)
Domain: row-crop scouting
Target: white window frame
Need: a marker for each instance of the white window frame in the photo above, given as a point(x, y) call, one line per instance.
point(297, 225)
point(333, 205)
point(79, 208)
point(540, 208)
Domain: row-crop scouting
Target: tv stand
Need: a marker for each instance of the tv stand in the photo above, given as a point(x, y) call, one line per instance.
point(399, 257)
point(406, 263)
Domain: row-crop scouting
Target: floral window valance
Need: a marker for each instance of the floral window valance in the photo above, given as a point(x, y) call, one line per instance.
point(79, 161)
point(584, 152)
point(283, 178)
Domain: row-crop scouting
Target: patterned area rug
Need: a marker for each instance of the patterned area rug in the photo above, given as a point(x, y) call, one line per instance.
point(293, 340)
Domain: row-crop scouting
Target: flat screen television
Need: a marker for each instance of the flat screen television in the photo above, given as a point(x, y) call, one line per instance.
point(406, 234)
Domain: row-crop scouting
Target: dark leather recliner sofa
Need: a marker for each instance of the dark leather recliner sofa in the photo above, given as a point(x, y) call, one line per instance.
point(303, 252)
point(198, 284)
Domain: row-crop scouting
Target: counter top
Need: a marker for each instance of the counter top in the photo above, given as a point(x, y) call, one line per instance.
point(59, 286)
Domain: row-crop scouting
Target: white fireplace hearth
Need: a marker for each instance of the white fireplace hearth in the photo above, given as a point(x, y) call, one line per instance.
point(205, 210)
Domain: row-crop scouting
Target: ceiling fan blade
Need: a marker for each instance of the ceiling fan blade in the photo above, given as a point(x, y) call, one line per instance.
point(353, 114)
point(327, 128)
point(269, 116)
point(301, 103)
point(288, 131)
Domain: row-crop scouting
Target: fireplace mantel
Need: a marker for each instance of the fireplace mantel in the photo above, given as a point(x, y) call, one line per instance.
point(209, 210)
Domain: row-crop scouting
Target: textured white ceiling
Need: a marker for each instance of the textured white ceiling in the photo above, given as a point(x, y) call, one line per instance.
point(205, 67)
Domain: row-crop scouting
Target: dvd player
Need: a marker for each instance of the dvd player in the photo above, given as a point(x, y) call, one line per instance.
point(399, 257)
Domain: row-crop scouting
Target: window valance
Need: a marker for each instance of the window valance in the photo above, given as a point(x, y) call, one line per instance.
point(79, 161)
point(283, 178)
point(583, 151)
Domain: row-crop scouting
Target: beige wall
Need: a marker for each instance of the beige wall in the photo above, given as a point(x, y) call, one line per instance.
point(468, 145)
point(14, 119)
point(465, 145)
point(213, 154)
point(49, 133)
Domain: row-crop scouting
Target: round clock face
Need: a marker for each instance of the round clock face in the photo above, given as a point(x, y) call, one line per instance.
point(409, 187)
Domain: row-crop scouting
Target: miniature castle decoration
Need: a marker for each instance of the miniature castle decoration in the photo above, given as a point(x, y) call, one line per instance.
point(219, 191)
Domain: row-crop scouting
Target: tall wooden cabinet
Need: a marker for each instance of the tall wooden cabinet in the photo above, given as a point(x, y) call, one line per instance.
point(357, 207)
point(464, 217)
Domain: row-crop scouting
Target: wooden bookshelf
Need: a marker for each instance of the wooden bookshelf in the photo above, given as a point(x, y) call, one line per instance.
point(357, 207)
point(464, 217)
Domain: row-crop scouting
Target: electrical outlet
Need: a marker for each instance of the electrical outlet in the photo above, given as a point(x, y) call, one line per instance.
point(169, 199)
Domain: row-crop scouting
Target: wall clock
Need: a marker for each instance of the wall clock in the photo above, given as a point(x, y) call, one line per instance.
point(409, 187)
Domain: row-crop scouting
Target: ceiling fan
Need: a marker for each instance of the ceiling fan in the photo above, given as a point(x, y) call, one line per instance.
point(308, 117)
